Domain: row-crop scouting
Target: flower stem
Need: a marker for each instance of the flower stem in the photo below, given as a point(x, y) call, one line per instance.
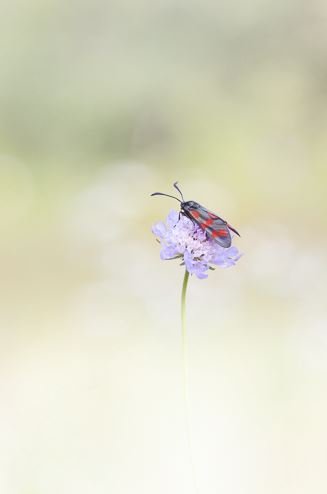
point(185, 380)
point(183, 307)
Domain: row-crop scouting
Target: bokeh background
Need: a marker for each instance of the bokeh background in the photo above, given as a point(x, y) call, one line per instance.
point(101, 104)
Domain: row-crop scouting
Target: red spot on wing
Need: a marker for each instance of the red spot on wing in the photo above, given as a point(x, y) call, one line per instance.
point(207, 223)
point(195, 213)
point(220, 233)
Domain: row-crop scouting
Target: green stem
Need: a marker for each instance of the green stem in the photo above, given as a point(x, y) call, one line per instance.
point(185, 378)
point(183, 306)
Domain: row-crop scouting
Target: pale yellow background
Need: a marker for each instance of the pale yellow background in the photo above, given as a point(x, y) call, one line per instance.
point(102, 103)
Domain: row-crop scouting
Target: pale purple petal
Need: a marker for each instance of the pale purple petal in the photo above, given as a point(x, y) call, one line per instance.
point(168, 252)
point(172, 218)
point(219, 259)
point(188, 259)
point(201, 275)
point(232, 251)
point(227, 257)
point(199, 269)
point(159, 229)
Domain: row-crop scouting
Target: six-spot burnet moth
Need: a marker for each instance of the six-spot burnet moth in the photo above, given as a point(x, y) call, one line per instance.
point(214, 226)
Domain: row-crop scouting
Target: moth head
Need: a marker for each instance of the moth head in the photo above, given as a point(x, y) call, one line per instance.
point(190, 205)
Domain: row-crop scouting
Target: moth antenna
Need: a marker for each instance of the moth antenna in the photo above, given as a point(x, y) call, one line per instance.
point(167, 195)
point(179, 190)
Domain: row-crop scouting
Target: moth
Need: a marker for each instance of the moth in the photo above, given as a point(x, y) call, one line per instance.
point(215, 227)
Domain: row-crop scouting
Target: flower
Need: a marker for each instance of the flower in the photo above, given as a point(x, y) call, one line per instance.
point(182, 238)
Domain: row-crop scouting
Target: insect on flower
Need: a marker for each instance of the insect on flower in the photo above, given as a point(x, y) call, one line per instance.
point(215, 227)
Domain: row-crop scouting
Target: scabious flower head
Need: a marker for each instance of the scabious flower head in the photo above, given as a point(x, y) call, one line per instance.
point(182, 238)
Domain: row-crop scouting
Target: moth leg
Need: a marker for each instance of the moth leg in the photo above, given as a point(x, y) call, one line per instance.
point(180, 214)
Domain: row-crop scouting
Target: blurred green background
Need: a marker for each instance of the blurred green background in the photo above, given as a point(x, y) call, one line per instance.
point(102, 103)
